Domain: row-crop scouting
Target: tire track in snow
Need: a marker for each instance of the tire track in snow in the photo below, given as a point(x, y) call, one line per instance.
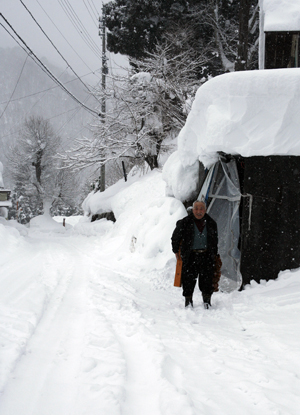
point(192, 353)
point(25, 291)
point(110, 343)
point(147, 388)
point(53, 350)
point(228, 355)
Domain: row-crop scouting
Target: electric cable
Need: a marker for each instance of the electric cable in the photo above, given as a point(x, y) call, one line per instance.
point(10, 34)
point(49, 73)
point(97, 12)
point(93, 43)
point(44, 90)
point(46, 119)
point(55, 47)
point(66, 39)
point(72, 116)
point(28, 54)
point(40, 98)
point(17, 83)
point(81, 34)
point(90, 14)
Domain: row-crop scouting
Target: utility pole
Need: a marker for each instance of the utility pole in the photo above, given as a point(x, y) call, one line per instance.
point(102, 33)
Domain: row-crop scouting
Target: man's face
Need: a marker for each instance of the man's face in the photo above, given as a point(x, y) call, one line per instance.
point(199, 210)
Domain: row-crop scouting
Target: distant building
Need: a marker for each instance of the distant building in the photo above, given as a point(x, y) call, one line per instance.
point(5, 201)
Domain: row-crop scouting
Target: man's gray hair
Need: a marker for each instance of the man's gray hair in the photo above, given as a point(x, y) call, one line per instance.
point(199, 201)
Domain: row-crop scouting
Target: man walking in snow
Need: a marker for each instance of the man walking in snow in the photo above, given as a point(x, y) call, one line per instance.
point(195, 239)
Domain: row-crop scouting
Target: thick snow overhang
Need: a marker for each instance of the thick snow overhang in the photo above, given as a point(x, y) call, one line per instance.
point(251, 113)
point(281, 15)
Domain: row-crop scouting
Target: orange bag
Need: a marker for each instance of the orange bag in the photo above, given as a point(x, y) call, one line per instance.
point(177, 279)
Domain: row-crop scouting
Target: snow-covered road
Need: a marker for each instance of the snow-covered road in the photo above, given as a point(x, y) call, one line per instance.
point(84, 333)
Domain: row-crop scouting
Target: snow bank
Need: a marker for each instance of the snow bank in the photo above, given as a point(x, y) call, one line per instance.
point(153, 228)
point(69, 220)
point(10, 240)
point(281, 15)
point(98, 228)
point(16, 225)
point(145, 219)
point(45, 223)
point(251, 113)
point(101, 202)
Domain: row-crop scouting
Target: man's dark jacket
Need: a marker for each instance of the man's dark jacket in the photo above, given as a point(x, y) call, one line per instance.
point(183, 236)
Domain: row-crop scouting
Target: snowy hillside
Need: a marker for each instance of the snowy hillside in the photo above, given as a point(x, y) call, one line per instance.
point(90, 322)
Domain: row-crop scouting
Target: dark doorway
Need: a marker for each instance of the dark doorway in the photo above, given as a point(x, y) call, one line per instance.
point(282, 50)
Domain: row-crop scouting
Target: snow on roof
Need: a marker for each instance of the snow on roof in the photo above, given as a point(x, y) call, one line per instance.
point(281, 15)
point(251, 113)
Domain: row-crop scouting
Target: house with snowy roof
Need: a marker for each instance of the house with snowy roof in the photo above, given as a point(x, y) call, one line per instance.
point(244, 128)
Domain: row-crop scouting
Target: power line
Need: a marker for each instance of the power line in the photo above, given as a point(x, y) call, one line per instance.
point(17, 83)
point(90, 14)
point(44, 90)
point(97, 14)
point(93, 43)
point(45, 93)
point(47, 71)
point(72, 116)
point(79, 31)
point(66, 39)
point(55, 47)
point(47, 119)
point(10, 34)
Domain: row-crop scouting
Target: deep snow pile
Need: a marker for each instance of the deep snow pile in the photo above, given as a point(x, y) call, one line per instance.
point(89, 327)
point(145, 218)
point(250, 113)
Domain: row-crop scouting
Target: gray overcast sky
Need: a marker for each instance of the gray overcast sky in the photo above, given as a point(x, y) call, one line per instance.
point(72, 25)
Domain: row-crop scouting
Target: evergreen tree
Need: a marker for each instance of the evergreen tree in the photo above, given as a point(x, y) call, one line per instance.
point(226, 30)
point(23, 206)
point(135, 26)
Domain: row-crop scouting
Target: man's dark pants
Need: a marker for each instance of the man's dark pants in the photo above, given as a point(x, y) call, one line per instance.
point(201, 266)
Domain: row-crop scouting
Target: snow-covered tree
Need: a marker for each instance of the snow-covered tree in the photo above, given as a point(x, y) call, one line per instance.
point(35, 169)
point(145, 109)
point(131, 127)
